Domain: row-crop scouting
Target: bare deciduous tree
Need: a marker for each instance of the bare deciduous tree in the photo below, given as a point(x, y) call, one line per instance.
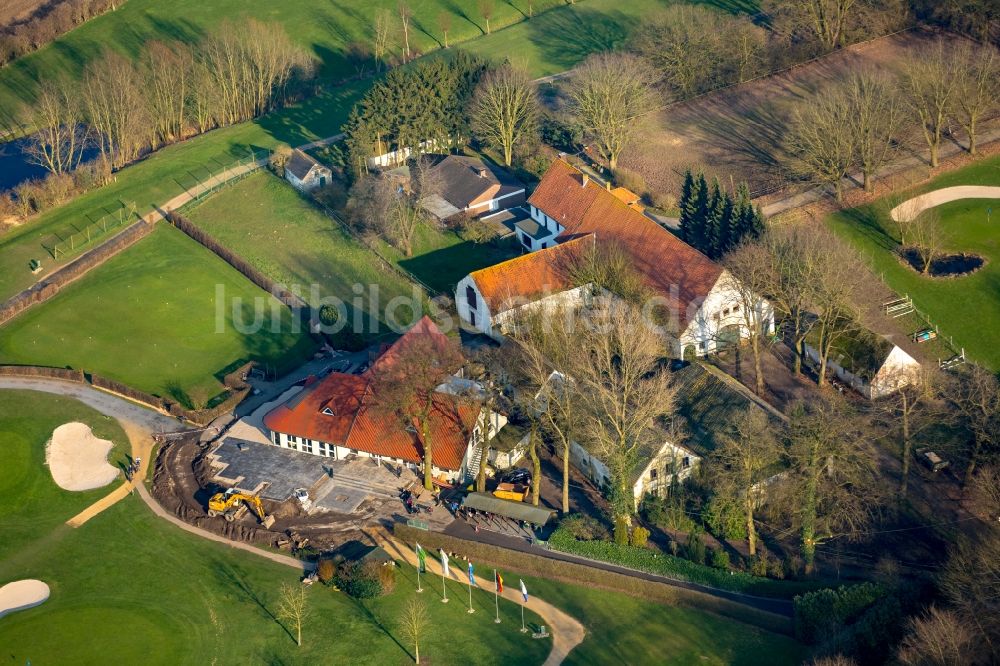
point(911, 401)
point(504, 109)
point(167, 70)
point(293, 608)
point(405, 18)
point(113, 99)
point(744, 452)
point(984, 491)
point(414, 621)
point(877, 117)
point(444, 25)
point(751, 267)
point(827, 20)
point(930, 83)
point(610, 94)
point(926, 238)
point(821, 140)
point(833, 474)
point(978, 71)
point(975, 396)
point(59, 138)
point(623, 393)
point(380, 36)
point(939, 637)
point(970, 581)
point(407, 389)
point(486, 8)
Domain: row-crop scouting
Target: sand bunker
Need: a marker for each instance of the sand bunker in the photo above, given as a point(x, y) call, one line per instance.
point(77, 459)
point(22, 594)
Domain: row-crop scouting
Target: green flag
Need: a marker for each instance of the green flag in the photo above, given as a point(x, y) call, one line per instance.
point(422, 556)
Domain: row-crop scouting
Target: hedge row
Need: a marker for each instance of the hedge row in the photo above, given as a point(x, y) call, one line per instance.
point(670, 566)
point(579, 574)
point(237, 262)
point(199, 416)
point(49, 286)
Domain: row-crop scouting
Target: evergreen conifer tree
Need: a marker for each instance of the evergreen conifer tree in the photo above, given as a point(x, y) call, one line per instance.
point(700, 205)
point(686, 222)
point(714, 240)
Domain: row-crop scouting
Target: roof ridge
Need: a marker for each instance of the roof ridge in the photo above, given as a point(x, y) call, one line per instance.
point(537, 253)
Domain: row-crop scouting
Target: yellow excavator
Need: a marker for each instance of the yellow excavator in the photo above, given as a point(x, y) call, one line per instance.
point(232, 504)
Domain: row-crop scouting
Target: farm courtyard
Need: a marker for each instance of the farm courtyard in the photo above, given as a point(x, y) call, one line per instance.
point(965, 307)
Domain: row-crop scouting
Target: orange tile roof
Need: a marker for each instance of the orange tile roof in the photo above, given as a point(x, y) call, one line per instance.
point(677, 271)
point(355, 424)
point(528, 277)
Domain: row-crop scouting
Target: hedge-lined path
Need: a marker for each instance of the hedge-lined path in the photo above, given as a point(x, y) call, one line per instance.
point(462, 530)
point(567, 632)
point(913, 207)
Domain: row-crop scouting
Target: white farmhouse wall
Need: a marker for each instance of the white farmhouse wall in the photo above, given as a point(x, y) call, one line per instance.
point(899, 370)
point(719, 310)
point(478, 318)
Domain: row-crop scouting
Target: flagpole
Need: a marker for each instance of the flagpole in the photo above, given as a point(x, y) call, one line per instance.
point(444, 588)
point(471, 609)
point(444, 575)
point(419, 589)
point(496, 595)
point(524, 629)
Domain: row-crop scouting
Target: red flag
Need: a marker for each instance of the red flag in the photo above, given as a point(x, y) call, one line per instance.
point(499, 583)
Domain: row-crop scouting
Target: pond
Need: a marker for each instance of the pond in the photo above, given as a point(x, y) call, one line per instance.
point(15, 167)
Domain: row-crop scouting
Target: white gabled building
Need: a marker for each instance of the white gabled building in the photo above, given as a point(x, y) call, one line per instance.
point(569, 209)
point(305, 173)
point(869, 363)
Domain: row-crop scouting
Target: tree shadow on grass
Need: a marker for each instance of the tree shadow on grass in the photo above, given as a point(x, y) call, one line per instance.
point(378, 624)
point(233, 576)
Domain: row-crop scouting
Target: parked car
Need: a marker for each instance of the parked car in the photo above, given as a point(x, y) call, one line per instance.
point(519, 475)
point(931, 460)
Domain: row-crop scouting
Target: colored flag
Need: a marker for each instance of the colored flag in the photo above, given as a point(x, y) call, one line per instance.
point(422, 556)
point(524, 592)
point(444, 563)
point(499, 583)
point(472, 578)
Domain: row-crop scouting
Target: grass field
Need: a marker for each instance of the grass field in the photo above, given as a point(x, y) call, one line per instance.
point(267, 222)
point(967, 308)
point(324, 29)
point(30, 503)
point(129, 588)
point(441, 258)
point(625, 630)
point(148, 317)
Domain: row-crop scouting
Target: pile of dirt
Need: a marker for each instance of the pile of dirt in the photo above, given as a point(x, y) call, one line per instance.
point(946, 265)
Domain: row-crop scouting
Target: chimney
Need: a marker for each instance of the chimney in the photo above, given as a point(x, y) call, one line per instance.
point(607, 184)
point(586, 179)
point(482, 172)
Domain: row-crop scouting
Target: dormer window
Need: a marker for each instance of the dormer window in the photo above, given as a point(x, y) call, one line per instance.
point(328, 411)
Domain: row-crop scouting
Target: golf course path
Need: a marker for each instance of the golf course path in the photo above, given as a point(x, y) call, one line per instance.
point(139, 424)
point(911, 208)
point(567, 632)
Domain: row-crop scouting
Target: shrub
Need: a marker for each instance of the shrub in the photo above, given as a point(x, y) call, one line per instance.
point(279, 158)
point(360, 580)
point(583, 528)
point(621, 531)
point(329, 315)
point(694, 549)
point(640, 535)
point(386, 577)
point(325, 571)
point(663, 200)
point(720, 559)
point(759, 564)
point(667, 513)
point(821, 614)
point(724, 518)
point(630, 180)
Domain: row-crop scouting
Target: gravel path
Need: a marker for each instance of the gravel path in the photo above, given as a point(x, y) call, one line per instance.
point(911, 208)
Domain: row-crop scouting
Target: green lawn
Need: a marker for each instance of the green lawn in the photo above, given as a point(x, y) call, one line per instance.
point(324, 29)
point(128, 587)
point(30, 503)
point(625, 630)
point(266, 221)
point(441, 258)
point(967, 308)
point(150, 318)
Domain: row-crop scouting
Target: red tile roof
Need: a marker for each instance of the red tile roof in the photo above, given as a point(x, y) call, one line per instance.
point(677, 271)
point(355, 424)
point(529, 276)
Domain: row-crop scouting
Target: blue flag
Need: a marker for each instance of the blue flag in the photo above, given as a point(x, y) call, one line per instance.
point(472, 578)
